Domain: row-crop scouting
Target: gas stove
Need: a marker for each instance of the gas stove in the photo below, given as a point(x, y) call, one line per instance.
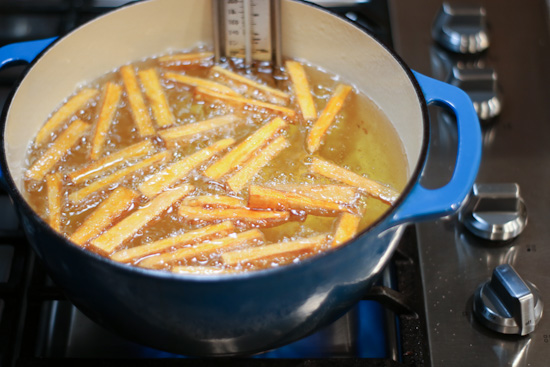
point(421, 313)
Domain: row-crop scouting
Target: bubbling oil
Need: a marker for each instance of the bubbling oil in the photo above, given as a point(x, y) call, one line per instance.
point(361, 139)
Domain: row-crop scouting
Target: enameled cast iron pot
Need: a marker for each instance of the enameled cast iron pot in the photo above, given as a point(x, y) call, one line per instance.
point(240, 313)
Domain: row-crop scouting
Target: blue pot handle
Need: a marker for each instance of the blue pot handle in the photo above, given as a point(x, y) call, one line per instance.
point(425, 204)
point(21, 52)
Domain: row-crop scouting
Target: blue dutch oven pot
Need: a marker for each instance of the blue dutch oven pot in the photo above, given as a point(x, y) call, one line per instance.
point(231, 314)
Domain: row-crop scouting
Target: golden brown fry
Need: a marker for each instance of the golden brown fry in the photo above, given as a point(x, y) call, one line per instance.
point(228, 243)
point(187, 59)
point(238, 181)
point(241, 102)
point(140, 112)
point(278, 95)
point(201, 127)
point(117, 176)
point(346, 228)
point(266, 198)
point(302, 89)
point(96, 168)
point(170, 243)
point(258, 218)
point(341, 194)
point(327, 116)
point(74, 104)
point(200, 82)
point(122, 231)
point(335, 172)
point(276, 249)
point(118, 203)
point(213, 201)
point(110, 101)
point(244, 150)
point(177, 171)
point(54, 185)
point(58, 150)
point(159, 104)
point(200, 270)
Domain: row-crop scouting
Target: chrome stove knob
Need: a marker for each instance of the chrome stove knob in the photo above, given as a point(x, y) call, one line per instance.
point(507, 304)
point(481, 86)
point(461, 29)
point(495, 211)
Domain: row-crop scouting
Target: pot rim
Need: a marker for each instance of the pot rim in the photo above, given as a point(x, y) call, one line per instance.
point(384, 219)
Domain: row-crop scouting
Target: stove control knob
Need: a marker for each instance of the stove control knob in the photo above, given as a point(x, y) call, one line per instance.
point(461, 29)
point(495, 211)
point(507, 304)
point(481, 86)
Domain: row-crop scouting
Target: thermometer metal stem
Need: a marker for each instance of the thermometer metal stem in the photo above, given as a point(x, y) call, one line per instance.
point(246, 29)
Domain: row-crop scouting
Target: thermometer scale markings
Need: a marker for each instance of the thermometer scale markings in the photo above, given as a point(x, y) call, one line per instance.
point(257, 29)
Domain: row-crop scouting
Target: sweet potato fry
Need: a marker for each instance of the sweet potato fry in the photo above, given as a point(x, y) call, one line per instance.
point(266, 198)
point(187, 59)
point(67, 110)
point(178, 170)
point(228, 243)
point(346, 228)
point(158, 102)
point(119, 202)
point(201, 127)
point(54, 185)
point(213, 201)
point(245, 150)
point(110, 101)
point(241, 102)
point(200, 82)
point(121, 232)
point(200, 270)
point(341, 194)
point(117, 176)
point(96, 168)
point(337, 173)
point(243, 216)
point(301, 89)
point(188, 238)
point(327, 116)
point(57, 150)
point(277, 95)
point(276, 249)
point(140, 113)
point(255, 164)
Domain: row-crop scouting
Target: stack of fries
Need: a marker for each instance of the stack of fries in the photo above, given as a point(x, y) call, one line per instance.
point(108, 180)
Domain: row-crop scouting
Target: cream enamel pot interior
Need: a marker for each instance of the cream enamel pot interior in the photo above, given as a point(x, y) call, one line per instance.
point(240, 313)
